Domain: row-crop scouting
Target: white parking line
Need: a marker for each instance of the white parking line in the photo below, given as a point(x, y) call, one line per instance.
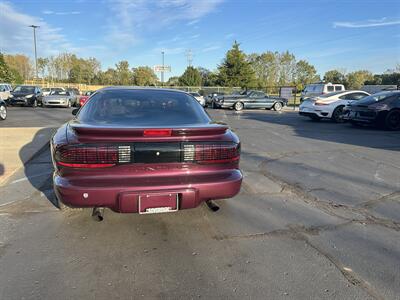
point(26, 178)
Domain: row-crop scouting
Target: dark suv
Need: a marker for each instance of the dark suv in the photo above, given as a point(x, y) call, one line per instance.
point(26, 95)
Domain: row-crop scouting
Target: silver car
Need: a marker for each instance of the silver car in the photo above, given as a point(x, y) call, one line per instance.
point(59, 98)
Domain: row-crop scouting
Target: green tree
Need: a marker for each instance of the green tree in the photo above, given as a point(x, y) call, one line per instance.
point(124, 75)
point(287, 68)
point(42, 63)
point(335, 76)
point(208, 78)
point(355, 80)
point(5, 72)
point(305, 74)
point(235, 70)
point(21, 64)
point(265, 68)
point(191, 77)
point(144, 76)
point(173, 81)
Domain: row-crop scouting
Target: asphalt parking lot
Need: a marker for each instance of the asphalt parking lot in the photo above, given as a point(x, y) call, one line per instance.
point(318, 217)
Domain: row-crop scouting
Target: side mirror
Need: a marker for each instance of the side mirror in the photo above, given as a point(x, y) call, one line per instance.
point(75, 111)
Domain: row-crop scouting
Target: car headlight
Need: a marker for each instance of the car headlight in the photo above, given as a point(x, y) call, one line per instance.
point(29, 96)
point(382, 106)
point(11, 96)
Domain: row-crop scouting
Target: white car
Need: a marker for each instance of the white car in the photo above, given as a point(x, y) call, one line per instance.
point(317, 89)
point(199, 98)
point(5, 91)
point(329, 106)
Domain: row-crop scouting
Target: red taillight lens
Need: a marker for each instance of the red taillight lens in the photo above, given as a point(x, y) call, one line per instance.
point(157, 132)
point(87, 156)
point(208, 153)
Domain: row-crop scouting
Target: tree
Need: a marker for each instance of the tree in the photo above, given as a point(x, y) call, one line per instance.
point(235, 70)
point(5, 72)
point(173, 81)
point(21, 64)
point(305, 74)
point(265, 67)
point(357, 79)
point(144, 76)
point(208, 78)
point(335, 76)
point(287, 68)
point(124, 75)
point(191, 77)
point(42, 65)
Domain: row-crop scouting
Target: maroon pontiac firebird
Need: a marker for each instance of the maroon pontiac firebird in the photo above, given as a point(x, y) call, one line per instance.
point(137, 150)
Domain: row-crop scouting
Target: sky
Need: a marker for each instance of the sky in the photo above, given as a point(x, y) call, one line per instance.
point(341, 34)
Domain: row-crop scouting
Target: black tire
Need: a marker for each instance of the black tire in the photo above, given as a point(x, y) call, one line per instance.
point(392, 120)
point(337, 114)
point(3, 112)
point(238, 106)
point(278, 106)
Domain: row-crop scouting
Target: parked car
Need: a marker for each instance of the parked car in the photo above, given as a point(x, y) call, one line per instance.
point(3, 110)
point(316, 89)
point(250, 99)
point(59, 98)
point(5, 91)
point(137, 150)
point(84, 98)
point(47, 91)
point(211, 97)
point(74, 90)
point(329, 106)
point(199, 98)
point(26, 95)
point(381, 109)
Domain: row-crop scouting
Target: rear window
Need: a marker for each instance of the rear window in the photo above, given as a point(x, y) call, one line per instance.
point(142, 108)
point(338, 88)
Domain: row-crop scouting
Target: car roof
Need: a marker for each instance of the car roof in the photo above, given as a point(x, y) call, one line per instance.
point(126, 88)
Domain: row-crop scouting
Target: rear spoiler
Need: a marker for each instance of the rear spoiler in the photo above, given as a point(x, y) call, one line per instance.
point(140, 132)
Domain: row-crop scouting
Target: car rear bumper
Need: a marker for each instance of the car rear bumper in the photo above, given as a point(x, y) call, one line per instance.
point(122, 195)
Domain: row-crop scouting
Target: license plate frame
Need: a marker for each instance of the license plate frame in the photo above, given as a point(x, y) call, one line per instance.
point(168, 197)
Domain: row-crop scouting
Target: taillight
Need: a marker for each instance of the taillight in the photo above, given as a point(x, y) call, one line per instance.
point(84, 156)
point(211, 153)
point(157, 132)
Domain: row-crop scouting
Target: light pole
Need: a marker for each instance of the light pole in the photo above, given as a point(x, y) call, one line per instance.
point(34, 44)
point(162, 70)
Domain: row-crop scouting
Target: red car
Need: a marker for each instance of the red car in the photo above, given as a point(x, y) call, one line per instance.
point(143, 151)
point(85, 97)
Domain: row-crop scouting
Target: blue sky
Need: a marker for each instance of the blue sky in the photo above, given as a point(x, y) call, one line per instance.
point(349, 35)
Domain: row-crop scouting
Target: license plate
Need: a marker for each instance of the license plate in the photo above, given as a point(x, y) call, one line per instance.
point(158, 203)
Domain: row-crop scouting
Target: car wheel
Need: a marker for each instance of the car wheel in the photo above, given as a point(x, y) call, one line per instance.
point(278, 106)
point(238, 106)
point(337, 114)
point(392, 121)
point(3, 112)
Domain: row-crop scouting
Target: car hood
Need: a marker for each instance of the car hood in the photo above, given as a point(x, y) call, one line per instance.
point(19, 94)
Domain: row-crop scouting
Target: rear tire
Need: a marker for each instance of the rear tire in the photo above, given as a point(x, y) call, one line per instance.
point(238, 106)
point(337, 115)
point(278, 106)
point(392, 120)
point(3, 112)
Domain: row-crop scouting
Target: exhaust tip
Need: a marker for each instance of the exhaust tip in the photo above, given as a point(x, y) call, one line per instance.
point(211, 205)
point(98, 214)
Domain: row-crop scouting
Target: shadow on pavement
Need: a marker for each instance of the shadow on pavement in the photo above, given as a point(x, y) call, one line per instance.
point(38, 169)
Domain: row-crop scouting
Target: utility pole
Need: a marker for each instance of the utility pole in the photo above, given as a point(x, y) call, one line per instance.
point(189, 57)
point(34, 44)
point(162, 71)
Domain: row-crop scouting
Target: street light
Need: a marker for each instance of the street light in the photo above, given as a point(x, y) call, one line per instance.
point(34, 44)
point(162, 71)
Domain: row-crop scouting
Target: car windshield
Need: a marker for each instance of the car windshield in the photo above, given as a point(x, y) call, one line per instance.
point(59, 93)
point(24, 89)
point(142, 108)
point(375, 98)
